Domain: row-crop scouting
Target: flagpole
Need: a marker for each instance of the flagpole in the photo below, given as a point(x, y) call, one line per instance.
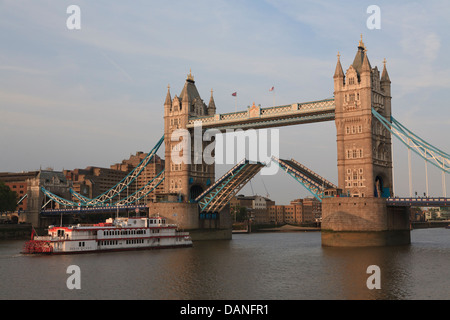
point(273, 91)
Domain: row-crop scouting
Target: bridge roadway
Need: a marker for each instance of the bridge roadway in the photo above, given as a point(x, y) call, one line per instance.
point(256, 117)
point(418, 202)
point(98, 209)
point(400, 202)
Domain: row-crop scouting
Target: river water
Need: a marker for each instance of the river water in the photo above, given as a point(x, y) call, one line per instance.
point(258, 266)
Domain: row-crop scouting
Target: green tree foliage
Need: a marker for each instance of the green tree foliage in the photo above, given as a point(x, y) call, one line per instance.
point(242, 214)
point(8, 198)
point(239, 212)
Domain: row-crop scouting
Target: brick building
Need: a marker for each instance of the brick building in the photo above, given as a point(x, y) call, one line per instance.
point(18, 182)
point(257, 207)
point(264, 210)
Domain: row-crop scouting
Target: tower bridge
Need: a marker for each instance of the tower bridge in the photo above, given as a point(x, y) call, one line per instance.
point(359, 210)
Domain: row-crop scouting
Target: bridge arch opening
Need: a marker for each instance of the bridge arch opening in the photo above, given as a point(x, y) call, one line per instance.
point(381, 189)
point(195, 191)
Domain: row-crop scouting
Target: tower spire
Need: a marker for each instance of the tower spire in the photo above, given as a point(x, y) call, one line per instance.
point(190, 77)
point(211, 105)
point(385, 75)
point(339, 72)
point(168, 101)
point(361, 43)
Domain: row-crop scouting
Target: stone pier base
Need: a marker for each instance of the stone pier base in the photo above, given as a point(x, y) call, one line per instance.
point(362, 222)
point(187, 217)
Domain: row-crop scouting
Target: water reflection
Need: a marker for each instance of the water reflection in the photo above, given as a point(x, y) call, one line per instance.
point(265, 266)
point(349, 273)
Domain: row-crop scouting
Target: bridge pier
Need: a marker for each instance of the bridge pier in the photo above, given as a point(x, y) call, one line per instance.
point(187, 217)
point(363, 222)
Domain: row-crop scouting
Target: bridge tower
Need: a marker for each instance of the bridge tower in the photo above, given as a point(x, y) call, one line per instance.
point(364, 145)
point(192, 176)
point(360, 217)
point(187, 174)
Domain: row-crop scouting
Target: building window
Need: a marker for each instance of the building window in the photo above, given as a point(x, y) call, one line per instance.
point(354, 153)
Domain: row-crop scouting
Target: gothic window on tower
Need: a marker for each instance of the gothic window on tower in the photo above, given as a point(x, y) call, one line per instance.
point(351, 81)
point(354, 178)
point(353, 129)
point(354, 153)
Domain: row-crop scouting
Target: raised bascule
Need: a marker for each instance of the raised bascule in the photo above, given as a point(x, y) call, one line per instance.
point(360, 210)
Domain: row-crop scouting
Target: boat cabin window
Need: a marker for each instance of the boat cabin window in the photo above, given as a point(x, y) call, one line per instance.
point(60, 233)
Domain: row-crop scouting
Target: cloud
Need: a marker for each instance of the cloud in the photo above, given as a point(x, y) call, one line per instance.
point(102, 88)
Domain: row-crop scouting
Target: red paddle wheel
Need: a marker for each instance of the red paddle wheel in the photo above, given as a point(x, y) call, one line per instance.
point(37, 246)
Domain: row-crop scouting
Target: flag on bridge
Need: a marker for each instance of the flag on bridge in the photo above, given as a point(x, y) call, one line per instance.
point(234, 94)
point(271, 89)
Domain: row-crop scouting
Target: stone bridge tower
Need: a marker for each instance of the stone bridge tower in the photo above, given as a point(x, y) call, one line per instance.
point(192, 176)
point(364, 146)
point(187, 174)
point(361, 217)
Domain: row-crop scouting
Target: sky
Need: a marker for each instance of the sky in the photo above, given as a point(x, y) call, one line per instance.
point(72, 98)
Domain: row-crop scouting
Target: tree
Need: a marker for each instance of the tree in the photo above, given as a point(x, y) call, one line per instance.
point(8, 198)
point(242, 214)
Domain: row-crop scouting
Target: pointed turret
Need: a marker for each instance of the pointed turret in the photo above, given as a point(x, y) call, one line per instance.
point(339, 72)
point(385, 75)
point(211, 105)
point(361, 55)
point(168, 101)
point(184, 94)
point(366, 64)
point(385, 84)
point(189, 93)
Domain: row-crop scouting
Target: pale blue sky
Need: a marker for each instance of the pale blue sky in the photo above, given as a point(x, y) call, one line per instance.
point(75, 98)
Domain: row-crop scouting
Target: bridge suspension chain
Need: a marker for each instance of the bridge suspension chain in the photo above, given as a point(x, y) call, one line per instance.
point(58, 199)
point(122, 185)
point(427, 151)
point(145, 190)
point(79, 196)
point(117, 189)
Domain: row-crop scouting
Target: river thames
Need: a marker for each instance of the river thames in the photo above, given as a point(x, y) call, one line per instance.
point(257, 266)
